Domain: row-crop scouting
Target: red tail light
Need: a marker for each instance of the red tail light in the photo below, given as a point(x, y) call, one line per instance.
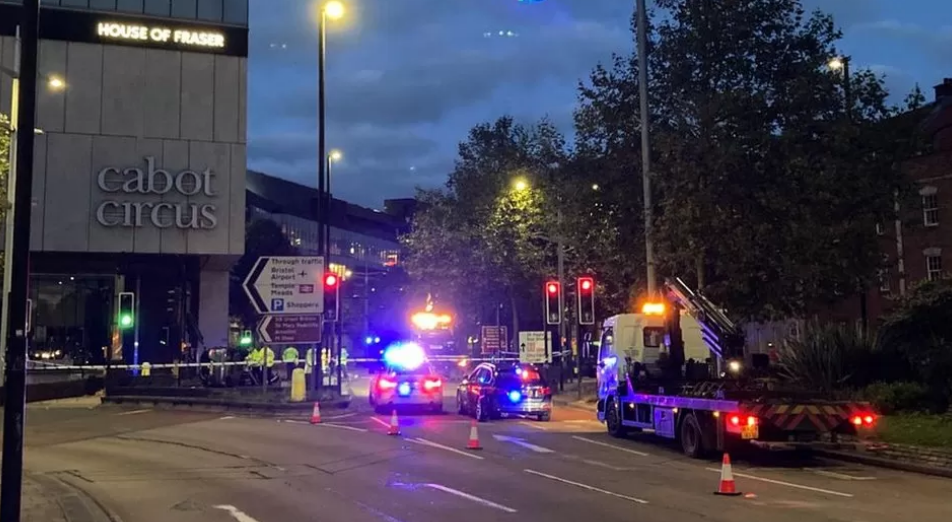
point(546, 391)
point(863, 420)
point(386, 384)
point(432, 384)
point(749, 420)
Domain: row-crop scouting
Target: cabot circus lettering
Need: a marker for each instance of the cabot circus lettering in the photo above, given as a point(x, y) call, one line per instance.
point(160, 214)
point(160, 34)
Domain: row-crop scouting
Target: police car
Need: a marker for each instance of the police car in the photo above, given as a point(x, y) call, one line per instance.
point(491, 391)
point(407, 379)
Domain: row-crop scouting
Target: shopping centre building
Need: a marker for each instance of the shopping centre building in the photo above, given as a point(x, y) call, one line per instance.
point(139, 180)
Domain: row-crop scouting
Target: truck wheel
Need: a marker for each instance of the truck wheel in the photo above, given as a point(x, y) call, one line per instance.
point(613, 419)
point(692, 442)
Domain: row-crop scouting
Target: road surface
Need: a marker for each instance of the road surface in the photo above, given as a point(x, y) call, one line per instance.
point(148, 465)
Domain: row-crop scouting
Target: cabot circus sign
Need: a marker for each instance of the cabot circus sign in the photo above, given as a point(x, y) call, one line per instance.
point(170, 209)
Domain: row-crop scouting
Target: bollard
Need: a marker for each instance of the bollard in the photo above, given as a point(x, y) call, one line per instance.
point(298, 385)
point(146, 369)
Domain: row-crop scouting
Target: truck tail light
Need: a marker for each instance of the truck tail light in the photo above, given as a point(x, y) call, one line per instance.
point(747, 420)
point(866, 419)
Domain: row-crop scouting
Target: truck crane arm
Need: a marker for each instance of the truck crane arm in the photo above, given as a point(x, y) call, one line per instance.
point(721, 335)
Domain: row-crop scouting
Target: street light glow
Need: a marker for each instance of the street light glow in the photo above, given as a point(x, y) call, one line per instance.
point(335, 155)
point(520, 185)
point(334, 10)
point(836, 63)
point(56, 83)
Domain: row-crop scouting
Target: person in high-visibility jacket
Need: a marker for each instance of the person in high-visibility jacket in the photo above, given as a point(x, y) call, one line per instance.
point(269, 363)
point(343, 362)
point(290, 358)
point(253, 360)
point(325, 360)
point(309, 360)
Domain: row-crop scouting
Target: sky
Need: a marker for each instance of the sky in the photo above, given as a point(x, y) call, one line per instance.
point(407, 79)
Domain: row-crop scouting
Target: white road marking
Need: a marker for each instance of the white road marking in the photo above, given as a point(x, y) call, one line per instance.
point(425, 442)
point(226, 417)
point(380, 422)
point(292, 421)
point(534, 425)
point(841, 476)
point(612, 446)
point(344, 416)
point(236, 513)
point(788, 484)
point(474, 498)
point(133, 412)
point(343, 427)
point(521, 442)
point(585, 486)
point(595, 463)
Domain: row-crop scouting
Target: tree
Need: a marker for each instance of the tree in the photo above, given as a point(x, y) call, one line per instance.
point(263, 237)
point(487, 237)
point(767, 186)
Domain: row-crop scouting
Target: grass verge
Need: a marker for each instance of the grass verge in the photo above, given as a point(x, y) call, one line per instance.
point(917, 429)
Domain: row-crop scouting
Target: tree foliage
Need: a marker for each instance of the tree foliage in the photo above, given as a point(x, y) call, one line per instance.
point(263, 237)
point(5, 143)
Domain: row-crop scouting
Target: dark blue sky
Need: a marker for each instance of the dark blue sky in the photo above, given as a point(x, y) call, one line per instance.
point(407, 79)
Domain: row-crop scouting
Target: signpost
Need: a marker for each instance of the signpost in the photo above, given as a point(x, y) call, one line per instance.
point(533, 348)
point(290, 329)
point(494, 339)
point(291, 285)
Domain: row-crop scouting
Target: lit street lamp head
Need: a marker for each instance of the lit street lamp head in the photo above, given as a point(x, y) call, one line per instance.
point(56, 83)
point(334, 9)
point(835, 63)
point(335, 155)
point(520, 185)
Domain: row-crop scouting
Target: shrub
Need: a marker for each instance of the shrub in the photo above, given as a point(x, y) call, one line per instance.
point(893, 397)
point(827, 358)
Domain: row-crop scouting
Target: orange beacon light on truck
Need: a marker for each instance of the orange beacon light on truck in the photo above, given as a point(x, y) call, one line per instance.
point(652, 309)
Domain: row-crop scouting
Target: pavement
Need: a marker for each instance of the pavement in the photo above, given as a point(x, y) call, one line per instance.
point(157, 465)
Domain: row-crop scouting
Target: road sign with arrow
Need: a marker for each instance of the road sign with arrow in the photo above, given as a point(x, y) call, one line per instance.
point(289, 285)
point(290, 329)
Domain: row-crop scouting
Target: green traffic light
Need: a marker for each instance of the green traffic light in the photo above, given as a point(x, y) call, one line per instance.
point(245, 341)
point(125, 320)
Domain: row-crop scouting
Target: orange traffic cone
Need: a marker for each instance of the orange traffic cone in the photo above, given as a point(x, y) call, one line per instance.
point(316, 413)
point(726, 486)
point(394, 425)
point(473, 443)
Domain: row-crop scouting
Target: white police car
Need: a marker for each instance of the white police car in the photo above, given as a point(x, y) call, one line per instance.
point(407, 380)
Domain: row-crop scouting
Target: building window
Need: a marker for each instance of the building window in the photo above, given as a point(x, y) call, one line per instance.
point(185, 8)
point(130, 6)
point(209, 10)
point(75, 3)
point(158, 7)
point(880, 229)
point(933, 267)
point(930, 209)
point(884, 282)
point(104, 5)
point(236, 12)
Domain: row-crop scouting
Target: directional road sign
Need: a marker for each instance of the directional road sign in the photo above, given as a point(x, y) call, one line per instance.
point(286, 285)
point(290, 329)
point(534, 348)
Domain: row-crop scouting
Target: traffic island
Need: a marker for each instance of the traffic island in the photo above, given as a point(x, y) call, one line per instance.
point(272, 402)
point(46, 498)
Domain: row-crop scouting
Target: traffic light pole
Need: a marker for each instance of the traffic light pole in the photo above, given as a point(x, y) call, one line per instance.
point(560, 247)
point(11, 473)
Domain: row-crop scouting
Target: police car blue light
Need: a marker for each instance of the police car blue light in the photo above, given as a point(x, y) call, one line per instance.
point(515, 396)
point(404, 389)
point(406, 356)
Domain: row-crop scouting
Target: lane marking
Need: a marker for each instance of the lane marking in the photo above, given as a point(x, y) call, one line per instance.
point(432, 444)
point(841, 476)
point(343, 427)
point(474, 498)
point(380, 422)
point(344, 416)
point(788, 484)
point(533, 425)
point(585, 486)
point(595, 463)
point(292, 421)
point(612, 446)
point(133, 412)
point(236, 513)
point(522, 442)
point(226, 417)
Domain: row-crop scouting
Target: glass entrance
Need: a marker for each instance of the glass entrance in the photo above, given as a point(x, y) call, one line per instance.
point(72, 317)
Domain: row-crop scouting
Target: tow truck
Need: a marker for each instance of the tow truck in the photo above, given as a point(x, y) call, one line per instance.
point(679, 369)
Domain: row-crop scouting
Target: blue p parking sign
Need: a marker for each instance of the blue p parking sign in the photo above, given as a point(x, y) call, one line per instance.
point(277, 305)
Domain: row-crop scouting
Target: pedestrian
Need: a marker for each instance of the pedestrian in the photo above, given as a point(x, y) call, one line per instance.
point(290, 358)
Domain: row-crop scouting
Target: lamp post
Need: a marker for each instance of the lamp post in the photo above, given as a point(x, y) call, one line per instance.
point(334, 10)
point(335, 330)
point(642, 23)
point(11, 473)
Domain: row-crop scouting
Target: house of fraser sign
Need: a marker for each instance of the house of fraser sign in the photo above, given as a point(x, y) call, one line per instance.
point(124, 209)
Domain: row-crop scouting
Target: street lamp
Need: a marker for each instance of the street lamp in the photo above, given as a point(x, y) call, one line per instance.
point(332, 156)
point(520, 185)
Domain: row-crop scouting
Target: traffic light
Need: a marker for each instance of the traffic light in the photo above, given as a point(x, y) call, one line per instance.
point(246, 338)
point(331, 296)
point(127, 310)
point(553, 302)
point(585, 291)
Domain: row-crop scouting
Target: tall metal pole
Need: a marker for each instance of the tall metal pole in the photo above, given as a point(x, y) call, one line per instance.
point(11, 474)
point(327, 209)
point(560, 252)
point(642, 15)
point(317, 378)
point(11, 192)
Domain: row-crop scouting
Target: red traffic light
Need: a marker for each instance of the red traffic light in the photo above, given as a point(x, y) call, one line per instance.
point(330, 280)
point(586, 283)
point(552, 288)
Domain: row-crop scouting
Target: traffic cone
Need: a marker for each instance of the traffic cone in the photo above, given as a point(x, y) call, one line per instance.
point(473, 443)
point(316, 413)
point(394, 425)
point(726, 486)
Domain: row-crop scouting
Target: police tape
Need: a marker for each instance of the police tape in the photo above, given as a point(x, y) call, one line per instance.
point(151, 366)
